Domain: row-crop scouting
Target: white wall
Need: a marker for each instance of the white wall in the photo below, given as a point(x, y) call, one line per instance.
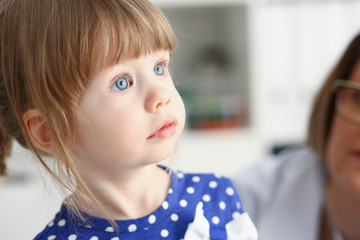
point(28, 199)
point(294, 46)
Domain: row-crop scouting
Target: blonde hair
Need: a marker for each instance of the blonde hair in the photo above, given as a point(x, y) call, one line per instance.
point(50, 50)
point(323, 109)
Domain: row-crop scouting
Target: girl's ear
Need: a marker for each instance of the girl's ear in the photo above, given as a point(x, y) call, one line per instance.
point(35, 123)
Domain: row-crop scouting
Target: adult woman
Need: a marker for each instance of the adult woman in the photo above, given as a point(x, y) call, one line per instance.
point(314, 192)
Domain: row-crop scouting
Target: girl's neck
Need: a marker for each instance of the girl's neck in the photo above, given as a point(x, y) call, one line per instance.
point(137, 196)
point(343, 212)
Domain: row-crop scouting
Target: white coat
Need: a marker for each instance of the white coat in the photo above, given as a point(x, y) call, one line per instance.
point(284, 195)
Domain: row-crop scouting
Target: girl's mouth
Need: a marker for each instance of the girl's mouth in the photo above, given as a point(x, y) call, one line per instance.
point(165, 130)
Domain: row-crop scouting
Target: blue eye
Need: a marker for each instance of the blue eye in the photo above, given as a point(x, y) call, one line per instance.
point(121, 84)
point(159, 69)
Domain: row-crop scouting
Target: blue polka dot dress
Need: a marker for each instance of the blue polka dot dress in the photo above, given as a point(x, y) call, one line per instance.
point(198, 206)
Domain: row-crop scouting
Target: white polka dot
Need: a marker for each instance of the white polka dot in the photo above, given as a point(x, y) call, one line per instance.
point(215, 220)
point(164, 233)
point(218, 175)
point(196, 179)
point(51, 224)
point(206, 198)
point(115, 238)
point(190, 190)
point(183, 203)
point(222, 205)
point(88, 226)
point(52, 237)
point(132, 228)
point(238, 205)
point(94, 238)
point(165, 205)
point(180, 175)
point(174, 217)
point(230, 191)
point(170, 191)
point(213, 184)
point(152, 219)
point(236, 215)
point(109, 229)
point(62, 222)
point(72, 237)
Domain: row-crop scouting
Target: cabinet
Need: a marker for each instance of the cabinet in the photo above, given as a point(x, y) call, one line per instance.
point(209, 65)
point(210, 68)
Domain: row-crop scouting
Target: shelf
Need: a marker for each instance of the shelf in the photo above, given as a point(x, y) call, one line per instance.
point(209, 66)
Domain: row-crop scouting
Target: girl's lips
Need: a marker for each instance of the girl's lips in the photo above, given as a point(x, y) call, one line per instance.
point(165, 130)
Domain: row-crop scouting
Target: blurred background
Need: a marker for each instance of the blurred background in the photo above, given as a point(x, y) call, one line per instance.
point(248, 71)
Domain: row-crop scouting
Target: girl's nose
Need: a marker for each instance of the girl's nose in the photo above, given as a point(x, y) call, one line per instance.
point(157, 97)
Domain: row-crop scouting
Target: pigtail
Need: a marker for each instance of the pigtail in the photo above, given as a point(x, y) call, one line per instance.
point(5, 138)
point(5, 148)
point(9, 127)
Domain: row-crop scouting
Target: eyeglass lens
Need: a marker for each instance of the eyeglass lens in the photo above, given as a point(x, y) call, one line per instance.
point(348, 103)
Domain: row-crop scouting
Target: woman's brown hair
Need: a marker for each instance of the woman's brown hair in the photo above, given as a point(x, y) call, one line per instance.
point(50, 50)
point(323, 109)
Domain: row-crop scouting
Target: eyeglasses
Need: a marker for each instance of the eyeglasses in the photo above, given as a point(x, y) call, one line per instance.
point(347, 100)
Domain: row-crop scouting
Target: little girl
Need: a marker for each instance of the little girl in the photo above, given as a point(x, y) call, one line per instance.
point(88, 83)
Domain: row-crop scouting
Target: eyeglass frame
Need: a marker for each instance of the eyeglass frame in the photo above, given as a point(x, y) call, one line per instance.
point(341, 83)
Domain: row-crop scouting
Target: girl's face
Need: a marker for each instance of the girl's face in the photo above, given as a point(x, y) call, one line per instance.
point(130, 115)
point(343, 151)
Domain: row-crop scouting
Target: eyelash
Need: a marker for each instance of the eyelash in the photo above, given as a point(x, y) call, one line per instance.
point(166, 63)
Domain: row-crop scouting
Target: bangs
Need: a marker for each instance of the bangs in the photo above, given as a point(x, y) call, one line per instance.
point(71, 40)
point(129, 29)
